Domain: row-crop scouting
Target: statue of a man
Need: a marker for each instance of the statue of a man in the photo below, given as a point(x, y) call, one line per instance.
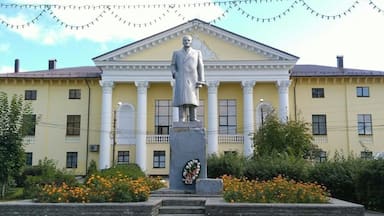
point(188, 71)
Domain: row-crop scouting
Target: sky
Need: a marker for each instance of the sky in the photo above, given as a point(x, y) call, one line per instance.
point(309, 29)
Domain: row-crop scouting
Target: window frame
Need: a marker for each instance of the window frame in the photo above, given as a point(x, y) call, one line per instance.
point(29, 158)
point(30, 94)
point(366, 155)
point(226, 107)
point(31, 122)
point(161, 116)
point(74, 94)
point(318, 93)
point(73, 125)
point(72, 160)
point(362, 91)
point(159, 159)
point(364, 128)
point(319, 124)
point(125, 157)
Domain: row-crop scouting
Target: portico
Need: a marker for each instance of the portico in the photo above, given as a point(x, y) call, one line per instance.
point(249, 66)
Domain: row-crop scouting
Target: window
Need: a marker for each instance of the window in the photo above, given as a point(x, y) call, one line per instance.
point(364, 124)
point(159, 159)
point(317, 92)
point(230, 153)
point(362, 91)
point(322, 157)
point(227, 116)
point(163, 116)
point(28, 158)
point(123, 157)
point(366, 155)
point(73, 125)
point(74, 94)
point(29, 125)
point(71, 159)
point(30, 95)
point(319, 124)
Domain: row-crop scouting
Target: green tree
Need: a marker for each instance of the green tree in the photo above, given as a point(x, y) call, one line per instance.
point(13, 128)
point(276, 137)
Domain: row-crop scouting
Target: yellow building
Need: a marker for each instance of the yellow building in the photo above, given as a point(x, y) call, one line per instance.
point(120, 110)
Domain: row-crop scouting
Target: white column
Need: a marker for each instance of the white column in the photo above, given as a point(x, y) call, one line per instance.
point(141, 132)
point(283, 86)
point(106, 124)
point(248, 118)
point(213, 124)
point(175, 110)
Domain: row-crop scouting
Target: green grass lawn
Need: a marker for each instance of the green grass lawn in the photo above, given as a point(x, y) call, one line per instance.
point(14, 194)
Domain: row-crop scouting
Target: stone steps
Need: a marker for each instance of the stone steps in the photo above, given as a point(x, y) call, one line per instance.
point(187, 206)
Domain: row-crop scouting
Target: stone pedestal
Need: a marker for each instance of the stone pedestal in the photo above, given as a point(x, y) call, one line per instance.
point(187, 142)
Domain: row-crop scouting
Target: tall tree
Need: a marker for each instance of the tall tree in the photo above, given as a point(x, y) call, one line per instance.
point(13, 128)
point(276, 137)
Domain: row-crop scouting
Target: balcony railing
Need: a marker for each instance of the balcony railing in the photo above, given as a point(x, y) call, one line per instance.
point(158, 139)
point(223, 139)
point(231, 139)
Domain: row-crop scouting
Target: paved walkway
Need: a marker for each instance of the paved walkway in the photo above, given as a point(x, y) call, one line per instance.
point(372, 213)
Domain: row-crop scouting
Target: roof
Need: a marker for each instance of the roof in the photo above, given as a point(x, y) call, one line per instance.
point(71, 72)
point(327, 71)
point(150, 41)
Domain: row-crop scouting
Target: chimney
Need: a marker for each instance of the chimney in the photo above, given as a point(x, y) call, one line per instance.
point(17, 65)
point(340, 62)
point(51, 64)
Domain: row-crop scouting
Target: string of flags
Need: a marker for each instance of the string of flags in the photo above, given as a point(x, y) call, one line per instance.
point(113, 10)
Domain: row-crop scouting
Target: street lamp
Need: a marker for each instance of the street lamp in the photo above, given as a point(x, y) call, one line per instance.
point(114, 133)
point(261, 111)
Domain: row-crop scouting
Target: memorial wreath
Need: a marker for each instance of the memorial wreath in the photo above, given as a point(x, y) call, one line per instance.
point(191, 171)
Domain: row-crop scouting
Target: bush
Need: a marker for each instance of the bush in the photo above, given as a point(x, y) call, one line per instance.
point(277, 190)
point(369, 185)
point(225, 164)
point(339, 176)
point(130, 170)
point(45, 173)
point(268, 167)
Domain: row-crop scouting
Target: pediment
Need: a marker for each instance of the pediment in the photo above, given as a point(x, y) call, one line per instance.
point(216, 44)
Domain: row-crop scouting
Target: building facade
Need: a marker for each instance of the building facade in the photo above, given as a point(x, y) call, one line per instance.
point(120, 111)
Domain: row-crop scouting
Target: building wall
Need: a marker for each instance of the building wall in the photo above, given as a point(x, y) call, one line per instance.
point(341, 107)
point(51, 108)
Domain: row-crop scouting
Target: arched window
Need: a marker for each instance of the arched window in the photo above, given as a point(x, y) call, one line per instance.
point(263, 109)
point(125, 124)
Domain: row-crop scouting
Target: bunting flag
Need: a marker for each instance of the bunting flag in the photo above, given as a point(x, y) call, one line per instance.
point(115, 11)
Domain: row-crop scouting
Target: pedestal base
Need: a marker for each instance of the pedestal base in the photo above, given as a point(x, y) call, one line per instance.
point(187, 142)
point(209, 186)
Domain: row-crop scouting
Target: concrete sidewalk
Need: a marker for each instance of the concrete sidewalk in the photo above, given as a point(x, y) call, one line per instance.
point(372, 213)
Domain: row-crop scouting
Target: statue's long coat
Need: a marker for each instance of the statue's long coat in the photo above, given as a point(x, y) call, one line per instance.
point(187, 69)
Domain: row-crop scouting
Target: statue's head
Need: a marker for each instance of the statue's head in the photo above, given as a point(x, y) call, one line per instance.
point(187, 41)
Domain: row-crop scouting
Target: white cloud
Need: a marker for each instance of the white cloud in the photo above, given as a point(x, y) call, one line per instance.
point(6, 69)
point(110, 26)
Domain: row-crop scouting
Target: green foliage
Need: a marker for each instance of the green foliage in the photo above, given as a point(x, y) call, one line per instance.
point(268, 167)
point(369, 185)
point(131, 170)
point(92, 168)
point(12, 130)
point(45, 173)
point(225, 164)
point(275, 137)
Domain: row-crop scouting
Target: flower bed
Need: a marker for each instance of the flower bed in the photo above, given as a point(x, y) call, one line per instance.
point(277, 190)
point(119, 188)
